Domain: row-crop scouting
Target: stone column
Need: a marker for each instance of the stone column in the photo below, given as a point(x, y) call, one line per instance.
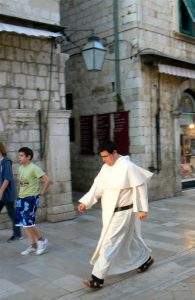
point(59, 198)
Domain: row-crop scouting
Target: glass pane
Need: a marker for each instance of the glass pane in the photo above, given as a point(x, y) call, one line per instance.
point(99, 59)
point(88, 59)
point(190, 5)
point(186, 120)
point(187, 105)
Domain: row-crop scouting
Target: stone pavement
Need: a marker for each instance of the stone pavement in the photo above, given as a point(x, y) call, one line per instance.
point(58, 274)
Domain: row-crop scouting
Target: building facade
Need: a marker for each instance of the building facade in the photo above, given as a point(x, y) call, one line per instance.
point(144, 94)
point(32, 98)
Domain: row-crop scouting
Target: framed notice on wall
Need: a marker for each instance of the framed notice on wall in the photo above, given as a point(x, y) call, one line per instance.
point(121, 131)
point(86, 129)
point(103, 128)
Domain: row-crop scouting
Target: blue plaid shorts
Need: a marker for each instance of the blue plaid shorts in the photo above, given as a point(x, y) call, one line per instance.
point(26, 211)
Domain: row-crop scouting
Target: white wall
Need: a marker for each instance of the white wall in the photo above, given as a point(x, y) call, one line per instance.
point(46, 11)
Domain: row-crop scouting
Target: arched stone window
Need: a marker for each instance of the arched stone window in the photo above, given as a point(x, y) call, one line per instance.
point(187, 108)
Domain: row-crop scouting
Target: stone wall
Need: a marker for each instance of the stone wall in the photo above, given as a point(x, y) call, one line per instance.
point(149, 25)
point(32, 114)
point(32, 10)
point(158, 23)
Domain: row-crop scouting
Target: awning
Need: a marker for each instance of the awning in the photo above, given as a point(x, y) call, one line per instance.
point(28, 31)
point(190, 8)
point(176, 71)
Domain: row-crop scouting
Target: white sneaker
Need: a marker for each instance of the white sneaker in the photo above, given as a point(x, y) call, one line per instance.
point(41, 246)
point(29, 250)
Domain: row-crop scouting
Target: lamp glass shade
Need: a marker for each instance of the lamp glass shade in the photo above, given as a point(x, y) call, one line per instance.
point(93, 54)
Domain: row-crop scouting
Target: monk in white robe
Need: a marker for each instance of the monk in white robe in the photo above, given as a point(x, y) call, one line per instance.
point(122, 188)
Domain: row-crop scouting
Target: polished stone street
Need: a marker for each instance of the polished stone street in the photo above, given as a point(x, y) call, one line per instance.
point(58, 274)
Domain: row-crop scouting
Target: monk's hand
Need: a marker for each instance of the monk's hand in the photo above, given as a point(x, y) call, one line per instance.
point(81, 208)
point(142, 214)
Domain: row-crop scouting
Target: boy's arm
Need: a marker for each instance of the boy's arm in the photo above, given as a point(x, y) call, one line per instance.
point(46, 183)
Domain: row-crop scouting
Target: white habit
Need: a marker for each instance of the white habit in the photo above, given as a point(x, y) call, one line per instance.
point(120, 248)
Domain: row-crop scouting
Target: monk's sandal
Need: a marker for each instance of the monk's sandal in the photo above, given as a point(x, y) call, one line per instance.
point(146, 265)
point(92, 284)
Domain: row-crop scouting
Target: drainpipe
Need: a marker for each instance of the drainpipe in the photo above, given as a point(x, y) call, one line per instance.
point(151, 166)
point(40, 131)
point(120, 106)
point(157, 119)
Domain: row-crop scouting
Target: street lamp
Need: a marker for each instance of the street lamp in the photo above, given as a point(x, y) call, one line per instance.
point(93, 54)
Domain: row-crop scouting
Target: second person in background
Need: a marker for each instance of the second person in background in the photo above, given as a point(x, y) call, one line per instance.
point(8, 192)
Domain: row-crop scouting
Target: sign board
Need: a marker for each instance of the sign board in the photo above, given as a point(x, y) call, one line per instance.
point(121, 131)
point(86, 129)
point(103, 128)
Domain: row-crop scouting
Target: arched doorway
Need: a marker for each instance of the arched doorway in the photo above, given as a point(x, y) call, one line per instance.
point(187, 139)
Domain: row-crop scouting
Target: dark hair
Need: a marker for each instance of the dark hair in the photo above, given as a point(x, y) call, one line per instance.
point(27, 151)
point(3, 149)
point(108, 146)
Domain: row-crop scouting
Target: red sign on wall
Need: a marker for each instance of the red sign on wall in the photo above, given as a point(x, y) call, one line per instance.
point(86, 123)
point(103, 128)
point(121, 132)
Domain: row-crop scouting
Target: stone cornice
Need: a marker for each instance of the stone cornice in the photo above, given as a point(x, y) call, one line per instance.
point(65, 56)
point(29, 115)
point(22, 115)
point(176, 113)
point(59, 114)
point(3, 136)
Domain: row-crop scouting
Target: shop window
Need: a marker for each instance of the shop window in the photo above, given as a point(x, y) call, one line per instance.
point(187, 17)
point(187, 139)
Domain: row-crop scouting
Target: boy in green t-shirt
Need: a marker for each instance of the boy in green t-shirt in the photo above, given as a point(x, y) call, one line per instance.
point(29, 192)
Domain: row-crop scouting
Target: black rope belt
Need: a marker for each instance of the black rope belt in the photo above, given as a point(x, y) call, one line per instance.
point(123, 208)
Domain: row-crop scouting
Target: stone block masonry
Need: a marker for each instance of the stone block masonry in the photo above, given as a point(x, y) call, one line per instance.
point(29, 90)
point(142, 25)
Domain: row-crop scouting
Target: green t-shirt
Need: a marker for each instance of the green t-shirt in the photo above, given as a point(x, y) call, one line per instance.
point(29, 180)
